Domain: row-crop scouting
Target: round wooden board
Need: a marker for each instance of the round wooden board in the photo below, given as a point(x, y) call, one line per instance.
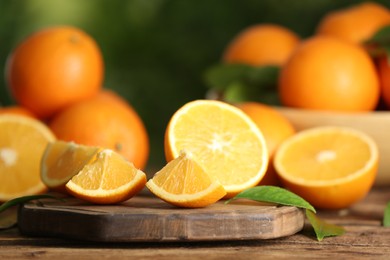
point(145, 218)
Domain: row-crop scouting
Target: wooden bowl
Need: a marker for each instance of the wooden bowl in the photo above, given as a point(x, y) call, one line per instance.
point(376, 124)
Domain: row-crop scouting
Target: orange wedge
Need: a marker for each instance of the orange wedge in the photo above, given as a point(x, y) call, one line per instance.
point(183, 183)
point(62, 160)
point(222, 139)
point(22, 143)
point(108, 179)
point(331, 167)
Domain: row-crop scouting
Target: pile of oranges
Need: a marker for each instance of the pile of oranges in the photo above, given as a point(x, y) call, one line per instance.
point(334, 69)
point(56, 76)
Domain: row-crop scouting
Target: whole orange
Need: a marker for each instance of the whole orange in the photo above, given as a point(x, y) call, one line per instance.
point(326, 73)
point(15, 109)
point(262, 44)
point(54, 68)
point(107, 121)
point(356, 23)
point(275, 128)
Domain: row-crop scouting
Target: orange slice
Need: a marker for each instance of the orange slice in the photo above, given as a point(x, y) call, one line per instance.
point(183, 183)
point(331, 167)
point(22, 143)
point(108, 179)
point(62, 160)
point(222, 139)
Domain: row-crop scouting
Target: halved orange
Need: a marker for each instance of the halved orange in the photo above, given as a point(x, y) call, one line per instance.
point(108, 179)
point(184, 183)
point(331, 167)
point(225, 142)
point(62, 160)
point(22, 143)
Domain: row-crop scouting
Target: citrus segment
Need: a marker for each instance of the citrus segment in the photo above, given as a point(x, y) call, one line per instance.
point(108, 179)
point(22, 143)
point(222, 139)
point(331, 167)
point(62, 160)
point(184, 183)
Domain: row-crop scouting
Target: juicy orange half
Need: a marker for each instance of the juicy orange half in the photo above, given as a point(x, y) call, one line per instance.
point(22, 143)
point(62, 160)
point(222, 139)
point(184, 183)
point(108, 179)
point(331, 167)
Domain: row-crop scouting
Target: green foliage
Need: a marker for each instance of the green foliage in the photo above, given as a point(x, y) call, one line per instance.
point(282, 196)
point(239, 82)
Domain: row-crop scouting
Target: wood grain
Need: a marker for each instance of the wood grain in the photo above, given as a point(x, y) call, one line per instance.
point(365, 239)
point(144, 218)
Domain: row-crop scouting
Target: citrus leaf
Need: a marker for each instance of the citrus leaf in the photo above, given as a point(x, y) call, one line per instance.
point(24, 199)
point(274, 194)
point(322, 228)
point(8, 218)
point(221, 76)
point(240, 82)
point(382, 36)
point(386, 216)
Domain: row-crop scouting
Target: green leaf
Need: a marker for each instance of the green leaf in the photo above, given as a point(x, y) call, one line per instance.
point(222, 75)
point(274, 194)
point(386, 216)
point(282, 196)
point(379, 44)
point(8, 218)
point(24, 199)
point(322, 228)
point(240, 82)
point(8, 210)
point(382, 36)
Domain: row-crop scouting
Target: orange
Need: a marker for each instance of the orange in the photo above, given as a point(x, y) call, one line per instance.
point(275, 127)
point(184, 183)
point(222, 139)
point(54, 68)
point(330, 167)
point(356, 23)
point(62, 160)
point(22, 143)
point(108, 179)
point(326, 73)
point(384, 76)
point(104, 122)
point(261, 44)
point(18, 110)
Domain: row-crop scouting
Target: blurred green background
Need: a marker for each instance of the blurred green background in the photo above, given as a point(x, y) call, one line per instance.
point(156, 51)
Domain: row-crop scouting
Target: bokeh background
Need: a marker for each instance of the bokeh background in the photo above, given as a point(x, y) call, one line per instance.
point(156, 51)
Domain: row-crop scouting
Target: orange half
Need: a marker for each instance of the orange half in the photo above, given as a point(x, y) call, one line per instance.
point(225, 142)
point(331, 167)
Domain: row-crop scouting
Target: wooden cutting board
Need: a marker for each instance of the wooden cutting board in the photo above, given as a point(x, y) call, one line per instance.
point(145, 218)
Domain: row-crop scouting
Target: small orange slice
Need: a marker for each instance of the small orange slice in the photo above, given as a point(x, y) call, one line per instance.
point(108, 179)
point(331, 167)
point(183, 183)
point(225, 142)
point(22, 143)
point(62, 160)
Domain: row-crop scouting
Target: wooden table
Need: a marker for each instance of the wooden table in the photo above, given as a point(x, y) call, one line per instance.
point(365, 238)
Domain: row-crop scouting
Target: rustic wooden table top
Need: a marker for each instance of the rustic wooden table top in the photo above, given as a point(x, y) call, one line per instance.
point(365, 238)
